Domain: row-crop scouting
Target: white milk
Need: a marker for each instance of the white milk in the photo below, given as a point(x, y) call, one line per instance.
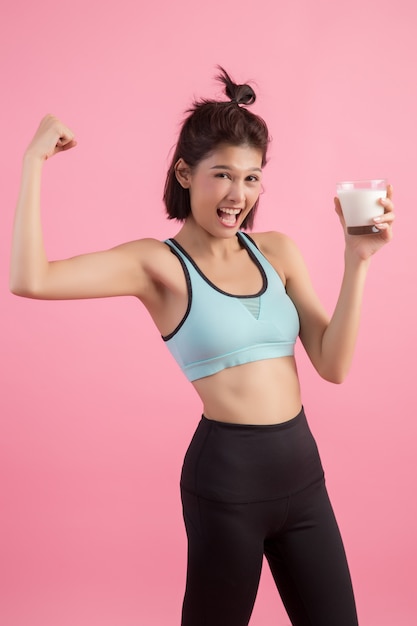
point(360, 206)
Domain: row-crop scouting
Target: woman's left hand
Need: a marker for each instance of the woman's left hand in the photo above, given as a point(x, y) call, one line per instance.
point(366, 245)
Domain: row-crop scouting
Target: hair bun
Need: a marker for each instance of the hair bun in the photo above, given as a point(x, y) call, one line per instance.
point(241, 94)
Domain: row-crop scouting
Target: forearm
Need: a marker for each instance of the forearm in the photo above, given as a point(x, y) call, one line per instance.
point(28, 258)
point(339, 338)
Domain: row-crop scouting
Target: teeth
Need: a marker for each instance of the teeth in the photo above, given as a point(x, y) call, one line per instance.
point(231, 211)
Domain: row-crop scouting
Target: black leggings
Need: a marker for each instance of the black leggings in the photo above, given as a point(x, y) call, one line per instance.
point(250, 491)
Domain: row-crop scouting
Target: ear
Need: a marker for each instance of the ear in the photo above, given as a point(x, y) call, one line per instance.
point(182, 173)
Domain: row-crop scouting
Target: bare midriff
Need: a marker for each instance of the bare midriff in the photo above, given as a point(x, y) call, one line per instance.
point(263, 392)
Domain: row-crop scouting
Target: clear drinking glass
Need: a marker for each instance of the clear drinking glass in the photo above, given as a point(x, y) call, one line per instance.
point(359, 202)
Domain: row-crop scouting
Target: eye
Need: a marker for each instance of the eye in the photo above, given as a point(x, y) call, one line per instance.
point(222, 175)
point(252, 179)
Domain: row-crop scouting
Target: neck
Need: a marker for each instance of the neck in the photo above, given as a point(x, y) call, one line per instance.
point(198, 241)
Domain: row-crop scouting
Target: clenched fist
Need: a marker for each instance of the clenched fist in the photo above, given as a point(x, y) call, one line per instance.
point(51, 137)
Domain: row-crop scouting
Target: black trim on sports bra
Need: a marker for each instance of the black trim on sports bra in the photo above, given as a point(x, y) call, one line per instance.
point(252, 257)
point(250, 239)
point(189, 290)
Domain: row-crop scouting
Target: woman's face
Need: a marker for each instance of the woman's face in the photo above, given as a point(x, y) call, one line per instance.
point(224, 187)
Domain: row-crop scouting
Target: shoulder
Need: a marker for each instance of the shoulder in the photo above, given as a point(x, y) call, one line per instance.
point(272, 241)
point(280, 250)
point(154, 246)
point(147, 269)
point(155, 259)
point(147, 251)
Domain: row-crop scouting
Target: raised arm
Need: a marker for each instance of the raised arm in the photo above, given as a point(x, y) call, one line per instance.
point(124, 270)
point(330, 342)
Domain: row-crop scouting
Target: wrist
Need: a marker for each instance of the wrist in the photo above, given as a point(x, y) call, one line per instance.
point(32, 165)
point(356, 261)
point(32, 159)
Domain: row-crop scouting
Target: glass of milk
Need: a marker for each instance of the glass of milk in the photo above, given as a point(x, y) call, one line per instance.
point(359, 202)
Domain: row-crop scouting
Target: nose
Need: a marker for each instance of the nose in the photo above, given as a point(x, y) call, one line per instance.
point(236, 192)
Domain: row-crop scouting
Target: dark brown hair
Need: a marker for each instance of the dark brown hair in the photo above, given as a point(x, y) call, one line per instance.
point(209, 124)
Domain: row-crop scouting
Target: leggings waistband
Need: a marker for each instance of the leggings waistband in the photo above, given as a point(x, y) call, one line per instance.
point(248, 463)
point(291, 423)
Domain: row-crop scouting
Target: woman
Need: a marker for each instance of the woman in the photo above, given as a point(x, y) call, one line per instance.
point(230, 308)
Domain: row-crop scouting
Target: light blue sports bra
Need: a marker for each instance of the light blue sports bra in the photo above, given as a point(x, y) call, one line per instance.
point(221, 330)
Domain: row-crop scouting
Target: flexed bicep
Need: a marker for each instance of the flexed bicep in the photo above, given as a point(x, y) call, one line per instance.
point(119, 271)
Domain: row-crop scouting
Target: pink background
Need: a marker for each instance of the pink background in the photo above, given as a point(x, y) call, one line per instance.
point(95, 417)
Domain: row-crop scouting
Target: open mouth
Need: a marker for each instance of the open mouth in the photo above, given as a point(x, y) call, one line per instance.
point(228, 217)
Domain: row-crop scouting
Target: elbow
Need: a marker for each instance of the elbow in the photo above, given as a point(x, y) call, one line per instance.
point(21, 288)
point(336, 380)
point(26, 282)
point(331, 373)
point(334, 368)
point(335, 375)
point(18, 290)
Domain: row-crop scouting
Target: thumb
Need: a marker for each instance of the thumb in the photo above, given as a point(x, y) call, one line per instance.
point(65, 144)
point(339, 212)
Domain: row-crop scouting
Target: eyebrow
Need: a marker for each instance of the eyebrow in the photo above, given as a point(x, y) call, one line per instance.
point(227, 167)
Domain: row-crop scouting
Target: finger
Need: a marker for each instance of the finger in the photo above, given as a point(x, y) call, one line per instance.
point(337, 206)
point(387, 218)
point(69, 145)
point(65, 136)
point(339, 212)
point(387, 204)
point(66, 139)
point(385, 232)
point(389, 191)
